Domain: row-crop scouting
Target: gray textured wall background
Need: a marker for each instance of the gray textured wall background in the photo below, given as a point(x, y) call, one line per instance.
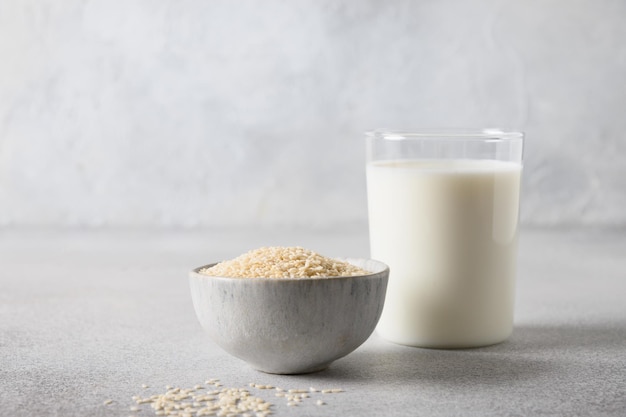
point(251, 113)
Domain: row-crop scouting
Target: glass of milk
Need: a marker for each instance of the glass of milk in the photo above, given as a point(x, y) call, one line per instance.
point(443, 214)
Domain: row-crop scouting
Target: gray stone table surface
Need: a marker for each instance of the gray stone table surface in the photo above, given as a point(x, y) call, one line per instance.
point(90, 316)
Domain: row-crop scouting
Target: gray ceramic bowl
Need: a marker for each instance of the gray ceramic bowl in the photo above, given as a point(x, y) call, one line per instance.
point(286, 325)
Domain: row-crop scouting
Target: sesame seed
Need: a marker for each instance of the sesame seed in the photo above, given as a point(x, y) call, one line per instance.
point(320, 402)
point(107, 402)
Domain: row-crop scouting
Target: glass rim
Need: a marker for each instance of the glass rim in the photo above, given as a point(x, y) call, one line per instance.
point(489, 134)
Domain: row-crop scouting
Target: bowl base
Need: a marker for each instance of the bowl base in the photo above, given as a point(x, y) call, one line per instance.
point(316, 368)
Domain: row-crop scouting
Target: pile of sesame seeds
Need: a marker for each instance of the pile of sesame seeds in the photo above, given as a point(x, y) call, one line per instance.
point(283, 262)
point(212, 399)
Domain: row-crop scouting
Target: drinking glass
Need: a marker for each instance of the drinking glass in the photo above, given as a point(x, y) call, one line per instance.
point(443, 214)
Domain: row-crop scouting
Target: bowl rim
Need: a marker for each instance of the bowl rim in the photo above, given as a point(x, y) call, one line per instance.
point(195, 273)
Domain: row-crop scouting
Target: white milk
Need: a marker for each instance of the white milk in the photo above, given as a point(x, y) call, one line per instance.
point(448, 231)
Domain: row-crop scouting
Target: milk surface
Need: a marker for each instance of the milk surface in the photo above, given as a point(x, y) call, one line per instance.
point(448, 231)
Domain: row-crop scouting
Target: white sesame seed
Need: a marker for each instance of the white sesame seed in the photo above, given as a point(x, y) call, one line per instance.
point(144, 386)
point(107, 402)
point(297, 391)
point(320, 402)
